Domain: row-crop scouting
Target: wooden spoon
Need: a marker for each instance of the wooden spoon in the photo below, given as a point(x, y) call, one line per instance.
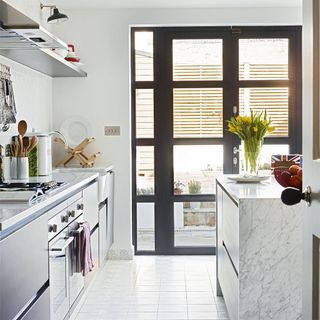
point(26, 143)
point(33, 143)
point(22, 127)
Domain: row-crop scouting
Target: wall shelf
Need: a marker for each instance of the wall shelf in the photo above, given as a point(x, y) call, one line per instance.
point(45, 61)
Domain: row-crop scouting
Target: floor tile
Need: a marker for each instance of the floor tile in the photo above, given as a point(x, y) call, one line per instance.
point(154, 288)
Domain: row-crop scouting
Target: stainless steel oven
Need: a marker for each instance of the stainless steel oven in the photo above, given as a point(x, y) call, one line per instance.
point(66, 280)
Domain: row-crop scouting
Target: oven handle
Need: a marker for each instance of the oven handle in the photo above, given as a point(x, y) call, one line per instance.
point(65, 244)
point(77, 232)
point(76, 266)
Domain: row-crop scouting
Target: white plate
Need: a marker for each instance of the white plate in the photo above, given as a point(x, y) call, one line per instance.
point(247, 179)
point(76, 129)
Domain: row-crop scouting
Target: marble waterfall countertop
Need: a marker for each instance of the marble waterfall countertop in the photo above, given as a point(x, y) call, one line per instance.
point(269, 189)
point(13, 215)
point(264, 240)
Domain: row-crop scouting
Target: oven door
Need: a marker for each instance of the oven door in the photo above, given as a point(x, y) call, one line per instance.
point(76, 279)
point(59, 264)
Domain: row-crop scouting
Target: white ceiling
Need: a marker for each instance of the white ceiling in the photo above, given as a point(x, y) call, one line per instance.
point(175, 3)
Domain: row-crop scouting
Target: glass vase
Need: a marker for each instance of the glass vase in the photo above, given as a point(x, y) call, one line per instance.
point(251, 157)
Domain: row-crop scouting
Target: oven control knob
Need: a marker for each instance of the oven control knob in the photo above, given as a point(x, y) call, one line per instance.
point(72, 213)
point(53, 228)
point(65, 218)
point(80, 206)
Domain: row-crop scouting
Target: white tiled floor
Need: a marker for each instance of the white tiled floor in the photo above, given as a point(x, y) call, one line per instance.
point(154, 287)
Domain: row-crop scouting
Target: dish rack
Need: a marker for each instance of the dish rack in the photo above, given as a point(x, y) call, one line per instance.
point(78, 153)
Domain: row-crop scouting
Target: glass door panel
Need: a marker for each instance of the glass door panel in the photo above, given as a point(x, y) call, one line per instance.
point(263, 59)
point(145, 226)
point(144, 113)
point(144, 55)
point(198, 112)
point(196, 167)
point(197, 59)
point(194, 224)
point(145, 170)
point(274, 100)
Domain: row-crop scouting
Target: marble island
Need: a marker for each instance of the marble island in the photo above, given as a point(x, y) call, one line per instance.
point(259, 251)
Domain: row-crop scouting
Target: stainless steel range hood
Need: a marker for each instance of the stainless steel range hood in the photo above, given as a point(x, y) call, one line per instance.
point(17, 31)
point(25, 41)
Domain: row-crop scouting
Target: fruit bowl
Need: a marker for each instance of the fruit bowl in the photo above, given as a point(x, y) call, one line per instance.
point(289, 177)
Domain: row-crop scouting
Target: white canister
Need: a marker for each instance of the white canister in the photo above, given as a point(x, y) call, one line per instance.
point(44, 154)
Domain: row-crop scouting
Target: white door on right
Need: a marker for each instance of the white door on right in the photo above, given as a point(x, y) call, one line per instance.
point(311, 162)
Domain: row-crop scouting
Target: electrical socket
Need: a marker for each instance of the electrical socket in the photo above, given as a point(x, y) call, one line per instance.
point(112, 130)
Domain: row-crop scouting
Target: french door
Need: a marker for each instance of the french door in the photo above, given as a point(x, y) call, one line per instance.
point(186, 82)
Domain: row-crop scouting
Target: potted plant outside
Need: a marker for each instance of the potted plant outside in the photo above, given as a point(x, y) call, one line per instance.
point(194, 187)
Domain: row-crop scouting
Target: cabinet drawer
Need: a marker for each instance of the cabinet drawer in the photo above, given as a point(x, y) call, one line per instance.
point(24, 266)
point(230, 233)
point(229, 284)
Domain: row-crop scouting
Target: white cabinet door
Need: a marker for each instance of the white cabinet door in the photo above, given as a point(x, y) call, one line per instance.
point(90, 204)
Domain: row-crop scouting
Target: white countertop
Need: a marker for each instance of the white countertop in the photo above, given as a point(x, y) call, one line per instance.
point(15, 213)
point(269, 189)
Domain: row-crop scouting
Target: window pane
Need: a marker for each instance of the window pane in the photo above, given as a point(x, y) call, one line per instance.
point(144, 55)
point(274, 100)
point(195, 224)
point(267, 151)
point(144, 113)
point(263, 59)
point(195, 168)
point(198, 113)
point(145, 226)
point(197, 59)
point(145, 170)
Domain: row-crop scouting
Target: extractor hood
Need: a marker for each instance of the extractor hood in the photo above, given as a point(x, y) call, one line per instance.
point(17, 31)
point(25, 41)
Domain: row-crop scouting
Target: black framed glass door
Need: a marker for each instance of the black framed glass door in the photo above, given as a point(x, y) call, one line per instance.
point(186, 82)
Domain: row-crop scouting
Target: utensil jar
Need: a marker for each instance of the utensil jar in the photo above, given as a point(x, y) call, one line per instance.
point(19, 168)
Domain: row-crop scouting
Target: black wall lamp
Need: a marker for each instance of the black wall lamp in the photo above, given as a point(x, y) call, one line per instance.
point(55, 15)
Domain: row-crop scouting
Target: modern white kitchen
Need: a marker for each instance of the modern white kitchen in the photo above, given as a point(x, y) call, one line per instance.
point(159, 160)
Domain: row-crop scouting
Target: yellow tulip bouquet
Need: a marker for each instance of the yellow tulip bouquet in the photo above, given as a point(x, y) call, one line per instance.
point(251, 130)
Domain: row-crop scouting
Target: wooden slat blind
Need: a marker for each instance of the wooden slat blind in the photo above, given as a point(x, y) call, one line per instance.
point(198, 112)
point(145, 161)
point(144, 113)
point(263, 71)
point(197, 72)
point(274, 100)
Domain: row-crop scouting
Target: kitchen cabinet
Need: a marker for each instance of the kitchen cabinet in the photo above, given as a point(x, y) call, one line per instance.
point(91, 204)
point(106, 218)
point(24, 267)
point(259, 251)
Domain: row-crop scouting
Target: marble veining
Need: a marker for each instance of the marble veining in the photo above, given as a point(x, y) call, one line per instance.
point(270, 251)
point(270, 241)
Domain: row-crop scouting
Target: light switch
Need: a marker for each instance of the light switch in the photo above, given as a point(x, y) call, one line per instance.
point(112, 130)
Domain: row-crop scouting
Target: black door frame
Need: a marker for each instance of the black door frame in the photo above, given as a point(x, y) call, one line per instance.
point(163, 141)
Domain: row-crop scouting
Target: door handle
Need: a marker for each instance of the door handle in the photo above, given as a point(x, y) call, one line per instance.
point(292, 196)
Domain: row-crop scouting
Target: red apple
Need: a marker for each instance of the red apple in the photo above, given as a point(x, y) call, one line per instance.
point(295, 182)
point(294, 169)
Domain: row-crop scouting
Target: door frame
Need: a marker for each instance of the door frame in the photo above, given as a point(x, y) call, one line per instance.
point(164, 200)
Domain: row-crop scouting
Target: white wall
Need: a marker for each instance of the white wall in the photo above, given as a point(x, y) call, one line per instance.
point(33, 90)
point(101, 38)
point(33, 96)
